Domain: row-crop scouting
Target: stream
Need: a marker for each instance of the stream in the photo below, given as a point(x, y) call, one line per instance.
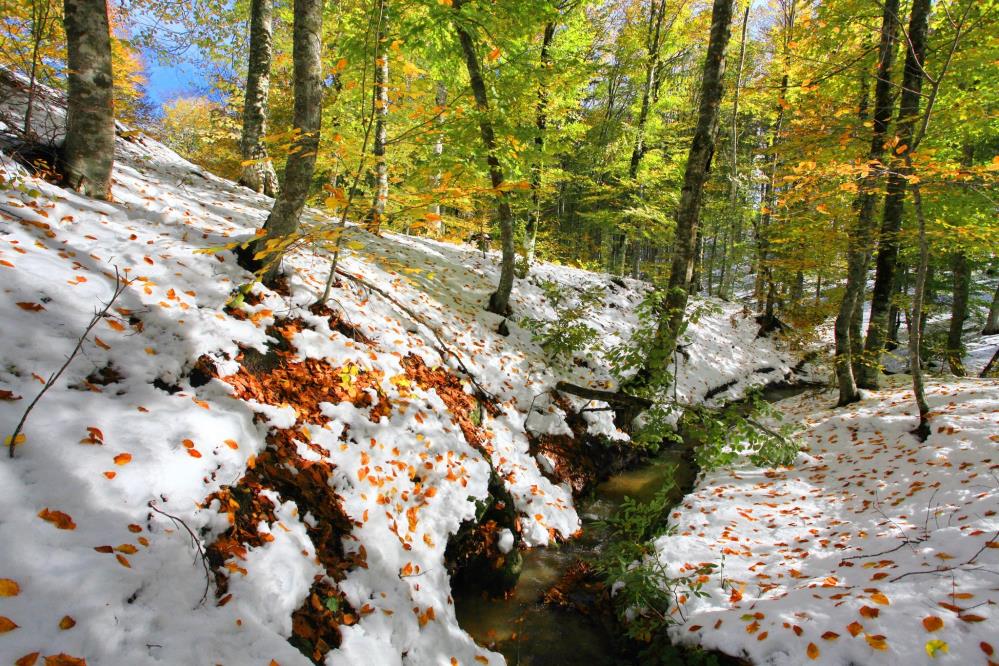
point(530, 633)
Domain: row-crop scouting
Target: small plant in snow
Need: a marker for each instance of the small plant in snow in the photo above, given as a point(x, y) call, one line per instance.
point(569, 333)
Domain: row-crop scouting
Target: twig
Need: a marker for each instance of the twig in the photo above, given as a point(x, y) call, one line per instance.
point(423, 322)
point(951, 568)
point(195, 541)
point(119, 287)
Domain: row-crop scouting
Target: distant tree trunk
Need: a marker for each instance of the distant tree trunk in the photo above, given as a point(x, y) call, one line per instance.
point(300, 166)
point(733, 185)
point(499, 301)
point(891, 220)
point(440, 100)
point(961, 276)
point(88, 151)
point(848, 342)
point(540, 124)
point(381, 96)
point(695, 175)
point(41, 22)
point(992, 322)
point(258, 172)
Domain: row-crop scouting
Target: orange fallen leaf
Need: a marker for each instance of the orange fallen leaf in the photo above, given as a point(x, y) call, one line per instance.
point(110, 475)
point(869, 611)
point(879, 598)
point(31, 307)
point(66, 623)
point(123, 561)
point(6, 624)
point(877, 641)
point(116, 325)
point(127, 548)
point(830, 636)
point(57, 518)
point(135, 528)
point(123, 459)
point(854, 628)
point(987, 648)
point(63, 659)
point(231, 443)
point(932, 623)
point(27, 660)
point(100, 343)
point(194, 453)
point(9, 588)
point(812, 651)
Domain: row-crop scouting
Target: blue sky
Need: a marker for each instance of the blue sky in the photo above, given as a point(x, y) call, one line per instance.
point(167, 81)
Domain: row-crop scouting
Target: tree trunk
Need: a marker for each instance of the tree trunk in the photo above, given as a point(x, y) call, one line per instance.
point(282, 223)
point(916, 319)
point(961, 275)
point(258, 172)
point(860, 235)
point(440, 100)
point(540, 123)
point(891, 220)
point(88, 151)
point(381, 97)
point(696, 173)
point(499, 301)
point(992, 322)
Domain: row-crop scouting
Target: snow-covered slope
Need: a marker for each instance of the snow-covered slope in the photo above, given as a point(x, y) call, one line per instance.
point(125, 453)
point(872, 548)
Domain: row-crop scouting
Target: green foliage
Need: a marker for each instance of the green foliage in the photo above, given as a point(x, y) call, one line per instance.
point(568, 333)
point(647, 597)
point(726, 435)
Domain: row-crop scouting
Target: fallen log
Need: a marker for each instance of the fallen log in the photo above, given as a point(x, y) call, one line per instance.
point(611, 397)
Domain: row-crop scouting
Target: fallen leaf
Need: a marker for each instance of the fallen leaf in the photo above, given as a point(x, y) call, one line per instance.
point(869, 611)
point(967, 617)
point(879, 598)
point(9, 588)
point(812, 651)
point(877, 641)
point(57, 518)
point(830, 636)
point(27, 660)
point(934, 646)
point(8, 395)
point(987, 648)
point(63, 659)
point(123, 459)
point(6, 624)
point(31, 307)
point(932, 623)
point(66, 623)
point(854, 628)
point(123, 561)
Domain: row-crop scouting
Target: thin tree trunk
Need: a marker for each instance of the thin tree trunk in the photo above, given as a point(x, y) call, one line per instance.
point(283, 221)
point(733, 185)
point(540, 124)
point(695, 175)
point(440, 100)
point(40, 15)
point(88, 151)
point(850, 369)
point(891, 221)
point(381, 96)
point(499, 301)
point(258, 171)
point(992, 322)
point(915, 325)
point(961, 275)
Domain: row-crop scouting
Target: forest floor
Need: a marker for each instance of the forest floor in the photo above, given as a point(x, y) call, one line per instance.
point(278, 482)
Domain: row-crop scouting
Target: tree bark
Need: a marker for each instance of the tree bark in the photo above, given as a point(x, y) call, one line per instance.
point(540, 124)
point(282, 223)
point(698, 165)
point(891, 220)
point(860, 235)
point(961, 277)
point(733, 185)
point(499, 301)
point(916, 319)
point(88, 151)
point(440, 99)
point(381, 96)
point(992, 322)
point(258, 174)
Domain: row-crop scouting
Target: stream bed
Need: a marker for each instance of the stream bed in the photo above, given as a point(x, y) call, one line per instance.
point(530, 633)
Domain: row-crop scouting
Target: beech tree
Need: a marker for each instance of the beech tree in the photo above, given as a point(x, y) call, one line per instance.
point(696, 173)
point(88, 151)
point(258, 171)
point(282, 223)
point(499, 301)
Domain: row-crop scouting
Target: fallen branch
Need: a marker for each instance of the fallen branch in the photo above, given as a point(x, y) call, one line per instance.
point(445, 348)
point(195, 541)
point(953, 568)
point(119, 287)
point(611, 397)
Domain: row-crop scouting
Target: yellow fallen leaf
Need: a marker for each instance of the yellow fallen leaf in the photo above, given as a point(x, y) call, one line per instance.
point(67, 623)
point(9, 588)
point(877, 641)
point(934, 646)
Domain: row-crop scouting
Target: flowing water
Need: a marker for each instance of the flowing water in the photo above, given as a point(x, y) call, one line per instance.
point(530, 633)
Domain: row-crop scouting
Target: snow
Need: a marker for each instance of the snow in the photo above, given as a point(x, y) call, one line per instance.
point(107, 455)
point(868, 526)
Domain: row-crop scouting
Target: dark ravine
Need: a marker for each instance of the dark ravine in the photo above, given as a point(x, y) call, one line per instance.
point(560, 612)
